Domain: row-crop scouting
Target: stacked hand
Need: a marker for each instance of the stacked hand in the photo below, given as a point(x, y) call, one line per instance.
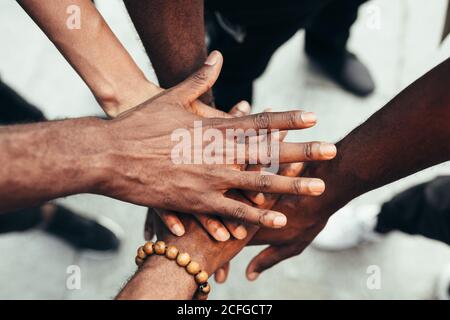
point(289, 240)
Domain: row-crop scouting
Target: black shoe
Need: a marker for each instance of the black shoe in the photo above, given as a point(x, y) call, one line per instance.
point(346, 70)
point(84, 233)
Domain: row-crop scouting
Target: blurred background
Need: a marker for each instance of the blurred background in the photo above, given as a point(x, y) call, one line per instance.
point(402, 44)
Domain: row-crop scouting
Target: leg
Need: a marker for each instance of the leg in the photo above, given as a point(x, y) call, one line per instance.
point(326, 43)
point(422, 210)
point(247, 54)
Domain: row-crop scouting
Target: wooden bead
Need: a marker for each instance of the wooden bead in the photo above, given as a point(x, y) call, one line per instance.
point(139, 261)
point(160, 247)
point(193, 268)
point(141, 254)
point(148, 248)
point(201, 277)
point(171, 252)
point(205, 288)
point(200, 296)
point(183, 259)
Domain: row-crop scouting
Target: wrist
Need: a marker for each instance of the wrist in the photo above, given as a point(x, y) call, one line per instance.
point(118, 98)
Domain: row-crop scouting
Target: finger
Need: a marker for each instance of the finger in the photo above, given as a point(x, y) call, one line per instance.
point(149, 230)
point(269, 257)
point(310, 151)
point(290, 120)
point(214, 227)
point(236, 229)
point(221, 274)
point(240, 211)
point(203, 110)
point(262, 182)
point(171, 221)
point(200, 82)
point(285, 152)
point(269, 199)
point(241, 109)
point(258, 197)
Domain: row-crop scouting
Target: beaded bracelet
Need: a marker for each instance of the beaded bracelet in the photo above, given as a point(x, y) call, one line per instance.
point(183, 259)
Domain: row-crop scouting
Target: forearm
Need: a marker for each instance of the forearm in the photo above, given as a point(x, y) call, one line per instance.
point(173, 35)
point(94, 52)
point(45, 161)
point(159, 279)
point(409, 134)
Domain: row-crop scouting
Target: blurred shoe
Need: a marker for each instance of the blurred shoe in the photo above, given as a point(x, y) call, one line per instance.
point(348, 228)
point(443, 284)
point(101, 234)
point(346, 70)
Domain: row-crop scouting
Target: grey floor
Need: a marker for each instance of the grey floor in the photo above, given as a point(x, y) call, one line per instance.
point(399, 46)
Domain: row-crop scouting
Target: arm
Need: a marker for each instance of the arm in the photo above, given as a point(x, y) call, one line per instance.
point(48, 160)
point(173, 35)
point(160, 278)
point(137, 162)
point(409, 134)
point(95, 53)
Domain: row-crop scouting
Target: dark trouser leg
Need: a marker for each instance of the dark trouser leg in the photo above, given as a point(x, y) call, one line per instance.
point(326, 44)
point(15, 109)
point(330, 29)
point(422, 210)
point(245, 61)
point(20, 220)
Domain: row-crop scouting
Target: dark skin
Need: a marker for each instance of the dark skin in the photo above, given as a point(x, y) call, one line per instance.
point(152, 281)
point(173, 34)
point(409, 134)
point(129, 160)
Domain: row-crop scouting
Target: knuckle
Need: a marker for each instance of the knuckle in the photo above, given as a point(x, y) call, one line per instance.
point(263, 182)
point(200, 78)
point(293, 119)
point(297, 187)
point(307, 151)
point(239, 212)
point(263, 120)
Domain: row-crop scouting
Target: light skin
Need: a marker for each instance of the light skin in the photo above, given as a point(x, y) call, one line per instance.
point(94, 52)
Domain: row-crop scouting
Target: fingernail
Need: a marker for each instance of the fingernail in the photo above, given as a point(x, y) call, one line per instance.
point(244, 107)
point(327, 149)
point(222, 234)
point(253, 276)
point(309, 117)
point(212, 58)
point(279, 221)
point(178, 230)
point(220, 275)
point(260, 199)
point(240, 232)
point(316, 186)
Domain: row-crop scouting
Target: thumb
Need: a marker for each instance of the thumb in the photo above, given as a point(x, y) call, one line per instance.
point(269, 257)
point(201, 81)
